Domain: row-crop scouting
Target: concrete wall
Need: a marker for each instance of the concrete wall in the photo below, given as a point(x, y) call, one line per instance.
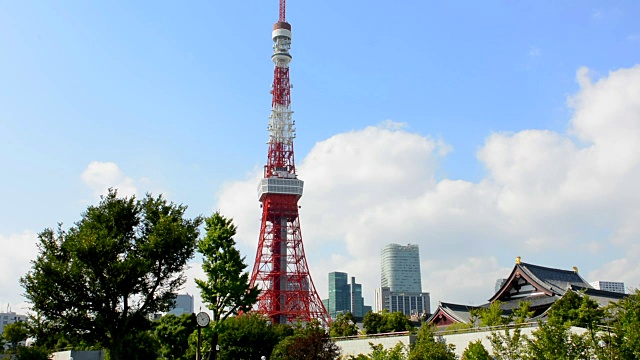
point(360, 344)
point(462, 340)
point(77, 355)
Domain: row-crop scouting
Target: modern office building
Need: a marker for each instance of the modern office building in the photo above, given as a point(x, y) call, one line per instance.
point(401, 282)
point(345, 296)
point(7, 318)
point(410, 304)
point(184, 305)
point(401, 268)
point(608, 286)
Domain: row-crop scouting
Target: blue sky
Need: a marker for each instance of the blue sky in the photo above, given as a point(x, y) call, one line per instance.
point(174, 98)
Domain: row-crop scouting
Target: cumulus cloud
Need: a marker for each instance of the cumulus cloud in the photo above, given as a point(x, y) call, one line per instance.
point(15, 261)
point(100, 176)
point(557, 199)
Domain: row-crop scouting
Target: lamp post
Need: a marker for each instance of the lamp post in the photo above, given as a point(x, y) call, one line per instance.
point(202, 320)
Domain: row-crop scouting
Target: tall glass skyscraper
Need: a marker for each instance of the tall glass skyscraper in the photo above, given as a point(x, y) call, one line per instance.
point(401, 283)
point(338, 293)
point(345, 296)
point(401, 268)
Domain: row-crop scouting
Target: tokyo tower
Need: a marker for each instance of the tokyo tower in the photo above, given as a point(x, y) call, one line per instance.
point(280, 270)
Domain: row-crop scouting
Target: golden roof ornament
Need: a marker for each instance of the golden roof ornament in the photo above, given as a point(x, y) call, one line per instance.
point(518, 260)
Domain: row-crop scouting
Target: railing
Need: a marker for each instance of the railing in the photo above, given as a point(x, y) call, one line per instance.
point(441, 332)
point(487, 328)
point(372, 336)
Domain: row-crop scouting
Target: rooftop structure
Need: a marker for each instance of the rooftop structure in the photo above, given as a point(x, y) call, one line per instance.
point(608, 286)
point(540, 286)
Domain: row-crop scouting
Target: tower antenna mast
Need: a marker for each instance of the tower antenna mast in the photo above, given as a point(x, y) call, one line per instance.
point(280, 270)
point(283, 11)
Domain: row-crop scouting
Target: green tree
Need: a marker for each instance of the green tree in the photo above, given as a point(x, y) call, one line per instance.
point(578, 309)
point(250, 336)
point(343, 325)
point(554, 340)
point(142, 345)
point(226, 289)
point(427, 347)
point(398, 352)
point(491, 316)
point(172, 333)
point(476, 351)
point(15, 333)
point(32, 353)
point(309, 342)
point(459, 326)
point(626, 326)
point(386, 322)
point(509, 343)
point(122, 260)
point(372, 322)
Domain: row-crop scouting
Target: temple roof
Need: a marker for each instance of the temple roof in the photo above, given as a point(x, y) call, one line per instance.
point(456, 312)
point(543, 280)
point(535, 302)
point(603, 297)
point(556, 280)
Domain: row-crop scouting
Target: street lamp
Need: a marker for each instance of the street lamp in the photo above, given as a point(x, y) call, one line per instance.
point(202, 320)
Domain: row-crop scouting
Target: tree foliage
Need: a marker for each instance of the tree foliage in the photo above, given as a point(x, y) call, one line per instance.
point(343, 325)
point(428, 347)
point(15, 333)
point(226, 289)
point(122, 260)
point(491, 316)
point(626, 326)
point(309, 342)
point(32, 353)
point(509, 343)
point(386, 322)
point(476, 351)
point(398, 352)
point(250, 336)
point(172, 333)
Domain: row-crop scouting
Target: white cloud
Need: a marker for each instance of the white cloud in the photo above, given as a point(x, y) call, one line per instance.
point(557, 199)
point(633, 37)
point(534, 51)
point(18, 250)
point(100, 176)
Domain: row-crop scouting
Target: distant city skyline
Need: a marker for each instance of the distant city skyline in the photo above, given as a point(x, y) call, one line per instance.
point(184, 304)
point(345, 295)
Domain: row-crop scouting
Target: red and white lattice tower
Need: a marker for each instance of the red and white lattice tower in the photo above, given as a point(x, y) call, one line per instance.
point(280, 270)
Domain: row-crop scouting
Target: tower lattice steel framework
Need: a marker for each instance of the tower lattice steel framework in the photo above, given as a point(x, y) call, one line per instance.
point(280, 269)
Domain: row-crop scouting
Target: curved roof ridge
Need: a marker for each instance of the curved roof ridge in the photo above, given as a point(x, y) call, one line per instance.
point(556, 280)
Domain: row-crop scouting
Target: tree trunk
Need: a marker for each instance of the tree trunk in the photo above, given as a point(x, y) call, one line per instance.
point(115, 348)
point(214, 345)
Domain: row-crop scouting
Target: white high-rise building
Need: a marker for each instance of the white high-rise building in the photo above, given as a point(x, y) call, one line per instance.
point(608, 286)
point(401, 282)
point(9, 317)
point(401, 268)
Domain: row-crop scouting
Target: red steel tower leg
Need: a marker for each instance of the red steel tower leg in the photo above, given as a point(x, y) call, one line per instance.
point(280, 270)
